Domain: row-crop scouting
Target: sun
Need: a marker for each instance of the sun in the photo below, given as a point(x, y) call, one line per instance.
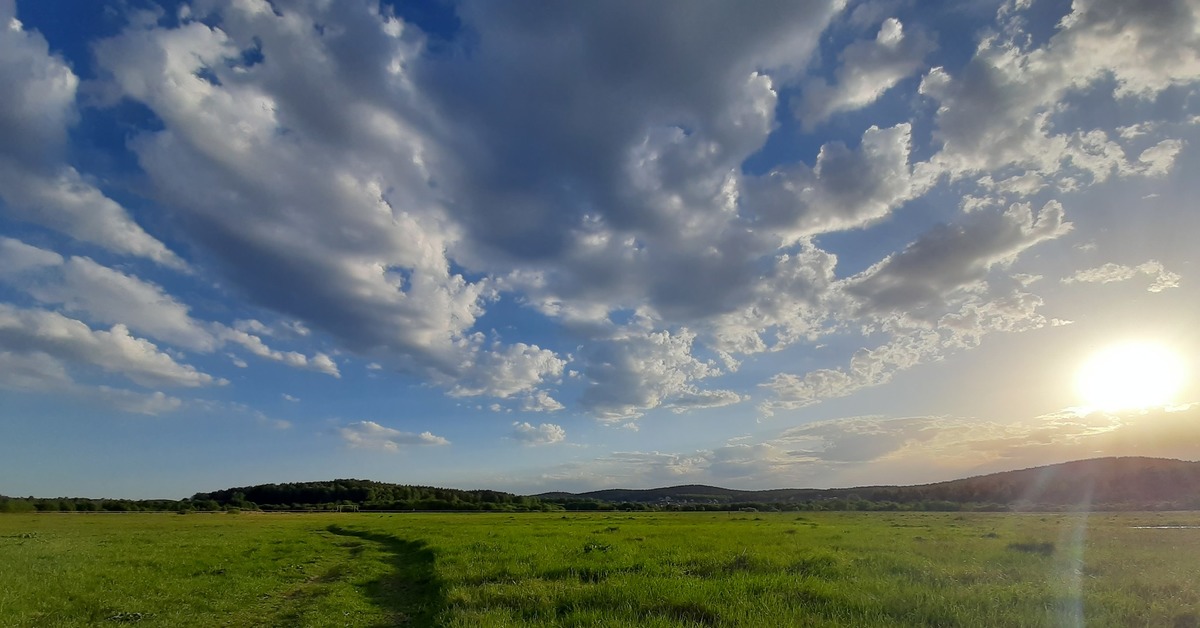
point(1130, 376)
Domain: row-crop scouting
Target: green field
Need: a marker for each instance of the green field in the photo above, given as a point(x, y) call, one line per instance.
point(611, 569)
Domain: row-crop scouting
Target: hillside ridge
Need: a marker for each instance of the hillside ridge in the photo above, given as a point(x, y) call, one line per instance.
point(1110, 483)
point(1107, 480)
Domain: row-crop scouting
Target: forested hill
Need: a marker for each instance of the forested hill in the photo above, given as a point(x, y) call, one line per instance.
point(1139, 482)
point(1100, 484)
point(1118, 483)
point(363, 494)
point(303, 496)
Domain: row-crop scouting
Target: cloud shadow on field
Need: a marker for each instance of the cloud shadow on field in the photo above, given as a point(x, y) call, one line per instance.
point(411, 594)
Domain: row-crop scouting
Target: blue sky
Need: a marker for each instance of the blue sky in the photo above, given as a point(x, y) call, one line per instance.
point(564, 246)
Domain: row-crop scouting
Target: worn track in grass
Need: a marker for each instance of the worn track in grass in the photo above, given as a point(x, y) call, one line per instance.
point(601, 569)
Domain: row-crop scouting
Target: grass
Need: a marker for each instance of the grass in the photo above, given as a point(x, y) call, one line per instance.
point(611, 569)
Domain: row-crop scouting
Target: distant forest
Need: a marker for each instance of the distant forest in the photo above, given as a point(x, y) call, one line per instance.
point(346, 494)
point(1098, 484)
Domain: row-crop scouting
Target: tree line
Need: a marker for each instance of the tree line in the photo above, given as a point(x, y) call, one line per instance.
point(303, 496)
point(366, 495)
point(1098, 484)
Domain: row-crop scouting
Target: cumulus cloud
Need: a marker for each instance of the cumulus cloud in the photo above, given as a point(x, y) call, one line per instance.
point(1157, 160)
point(36, 184)
point(373, 200)
point(41, 372)
point(506, 371)
point(371, 435)
point(18, 258)
point(992, 310)
point(544, 434)
point(845, 189)
point(708, 81)
point(110, 296)
point(358, 184)
point(320, 208)
point(867, 69)
point(789, 303)
point(637, 372)
point(919, 280)
point(32, 331)
point(1161, 278)
point(999, 110)
point(105, 295)
point(541, 401)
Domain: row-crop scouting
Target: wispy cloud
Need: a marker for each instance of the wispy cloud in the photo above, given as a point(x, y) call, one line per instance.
point(371, 435)
point(544, 434)
point(1161, 278)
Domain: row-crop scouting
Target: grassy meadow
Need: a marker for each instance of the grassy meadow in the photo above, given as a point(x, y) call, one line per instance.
point(600, 569)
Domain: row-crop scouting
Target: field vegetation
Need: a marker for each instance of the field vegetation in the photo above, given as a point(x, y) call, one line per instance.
point(600, 569)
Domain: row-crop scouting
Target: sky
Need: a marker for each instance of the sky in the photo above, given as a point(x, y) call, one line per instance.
point(547, 246)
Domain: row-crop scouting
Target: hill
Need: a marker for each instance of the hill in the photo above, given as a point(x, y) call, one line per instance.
point(363, 494)
point(1100, 484)
point(1114, 483)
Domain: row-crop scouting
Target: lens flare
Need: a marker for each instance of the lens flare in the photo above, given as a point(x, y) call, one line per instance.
point(1130, 376)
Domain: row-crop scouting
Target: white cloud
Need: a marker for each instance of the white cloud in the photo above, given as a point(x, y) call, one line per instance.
point(998, 111)
point(326, 165)
point(789, 302)
point(104, 295)
point(37, 108)
point(694, 399)
point(31, 331)
point(281, 329)
point(371, 435)
point(111, 297)
point(18, 258)
point(505, 371)
point(35, 113)
point(33, 372)
point(912, 343)
point(64, 201)
point(1157, 160)
point(867, 69)
point(318, 362)
point(921, 279)
point(41, 373)
point(321, 207)
point(868, 367)
point(541, 401)
point(544, 434)
point(354, 210)
point(638, 371)
point(1162, 278)
point(846, 189)
point(1026, 184)
point(153, 404)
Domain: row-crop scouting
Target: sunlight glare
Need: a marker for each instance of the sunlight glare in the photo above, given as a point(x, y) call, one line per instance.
point(1130, 376)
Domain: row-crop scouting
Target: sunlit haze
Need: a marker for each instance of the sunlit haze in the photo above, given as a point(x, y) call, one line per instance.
point(1130, 376)
point(534, 246)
